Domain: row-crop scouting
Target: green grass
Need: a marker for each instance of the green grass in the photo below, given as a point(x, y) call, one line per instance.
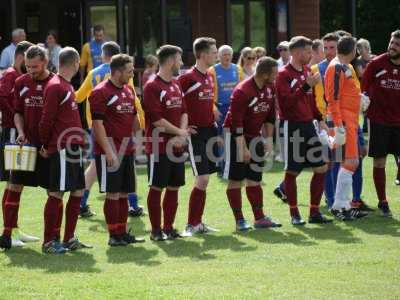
point(359, 260)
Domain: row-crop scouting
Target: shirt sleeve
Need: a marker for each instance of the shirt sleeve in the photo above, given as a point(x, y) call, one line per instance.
point(271, 116)
point(6, 88)
point(152, 103)
point(19, 103)
point(333, 86)
point(5, 60)
point(51, 104)
point(368, 78)
point(287, 96)
point(98, 106)
point(84, 91)
point(238, 109)
point(85, 55)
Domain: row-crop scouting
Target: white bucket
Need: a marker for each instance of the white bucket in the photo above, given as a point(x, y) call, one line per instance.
point(20, 158)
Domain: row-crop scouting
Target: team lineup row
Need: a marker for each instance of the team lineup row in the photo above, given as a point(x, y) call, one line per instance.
point(39, 108)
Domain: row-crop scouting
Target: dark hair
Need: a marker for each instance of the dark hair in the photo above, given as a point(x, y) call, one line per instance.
point(342, 33)
point(151, 60)
point(346, 45)
point(22, 47)
point(265, 65)
point(299, 42)
point(36, 51)
point(316, 44)
point(396, 34)
point(202, 44)
point(119, 61)
point(166, 51)
point(97, 28)
point(109, 49)
point(330, 37)
point(68, 56)
point(53, 32)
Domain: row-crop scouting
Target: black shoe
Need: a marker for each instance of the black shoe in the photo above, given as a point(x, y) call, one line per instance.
point(298, 221)
point(357, 213)
point(5, 242)
point(136, 212)
point(359, 204)
point(385, 210)
point(342, 214)
point(85, 212)
point(75, 244)
point(116, 240)
point(172, 234)
point(319, 219)
point(158, 236)
point(131, 239)
point(280, 194)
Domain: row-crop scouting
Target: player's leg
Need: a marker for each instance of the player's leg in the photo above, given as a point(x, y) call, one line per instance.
point(90, 178)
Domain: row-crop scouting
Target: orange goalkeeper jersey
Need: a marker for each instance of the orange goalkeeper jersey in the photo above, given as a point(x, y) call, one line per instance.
point(342, 91)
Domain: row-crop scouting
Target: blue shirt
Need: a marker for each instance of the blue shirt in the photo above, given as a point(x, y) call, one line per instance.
point(7, 56)
point(227, 79)
point(95, 52)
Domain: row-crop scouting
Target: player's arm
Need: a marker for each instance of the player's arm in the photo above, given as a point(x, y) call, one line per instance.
point(84, 60)
point(239, 103)
point(19, 114)
point(138, 105)
point(51, 104)
point(85, 89)
point(6, 88)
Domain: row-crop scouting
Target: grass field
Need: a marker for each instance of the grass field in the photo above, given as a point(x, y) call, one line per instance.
point(358, 260)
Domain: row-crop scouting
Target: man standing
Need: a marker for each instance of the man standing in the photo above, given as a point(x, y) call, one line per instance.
point(8, 135)
point(91, 51)
point(252, 107)
point(342, 91)
point(114, 123)
point(381, 83)
point(166, 134)
point(301, 144)
point(7, 55)
point(197, 86)
point(61, 134)
point(284, 54)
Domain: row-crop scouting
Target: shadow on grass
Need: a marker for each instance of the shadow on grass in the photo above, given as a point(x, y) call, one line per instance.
point(197, 249)
point(77, 262)
point(330, 232)
point(377, 225)
point(132, 254)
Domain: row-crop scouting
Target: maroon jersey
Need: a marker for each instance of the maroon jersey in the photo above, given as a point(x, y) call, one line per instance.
point(250, 107)
point(381, 81)
point(115, 106)
point(60, 123)
point(29, 103)
point(198, 89)
point(7, 83)
point(162, 100)
point(295, 97)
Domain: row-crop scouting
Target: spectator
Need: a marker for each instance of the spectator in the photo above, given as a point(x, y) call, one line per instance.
point(247, 61)
point(7, 55)
point(364, 49)
point(53, 49)
point(283, 49)
point(260, 52)
point(317, 54)
point(151, 67)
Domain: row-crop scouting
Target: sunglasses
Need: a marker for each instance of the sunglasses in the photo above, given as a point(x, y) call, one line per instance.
point(251, 57)
point(282, 49)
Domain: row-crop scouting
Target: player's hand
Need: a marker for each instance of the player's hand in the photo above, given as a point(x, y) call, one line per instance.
point(21, 139)
point(365, 102)
point(268, 147)
point(313, 79)
point(43, 152)
point(340, 136)
point(246, 156)
point(323, 126)
point(217, 115)
point(112, 160)
point(364, 151)
point(192, 129)
point(184, 133)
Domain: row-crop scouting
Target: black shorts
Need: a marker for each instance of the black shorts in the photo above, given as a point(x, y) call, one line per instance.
point(39, 177)
point(203, 151)
point(237, 170)
point(121, 180)
point(163, 172)
point(383, 140)
point(66, 172)
point(8, 135)
point(302, 146)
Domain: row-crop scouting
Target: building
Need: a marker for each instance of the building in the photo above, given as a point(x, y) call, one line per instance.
point(140, 26)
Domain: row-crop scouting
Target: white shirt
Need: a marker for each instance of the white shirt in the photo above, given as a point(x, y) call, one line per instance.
point(7, 56)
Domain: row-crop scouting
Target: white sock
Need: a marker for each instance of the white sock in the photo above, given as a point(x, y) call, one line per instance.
point(343, 189)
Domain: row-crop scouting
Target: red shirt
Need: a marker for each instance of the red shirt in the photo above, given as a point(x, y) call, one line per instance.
point(115, 106)
point(295, 97)
point(7, 82)
point(198, 89)
point(250, 108)
point(162, 100)
point(381, 80)
point(60, 123)
point(29, 103)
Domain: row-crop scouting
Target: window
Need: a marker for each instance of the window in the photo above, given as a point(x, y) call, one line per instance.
point(258, 30)
point(238, 25)
point(105, 15)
